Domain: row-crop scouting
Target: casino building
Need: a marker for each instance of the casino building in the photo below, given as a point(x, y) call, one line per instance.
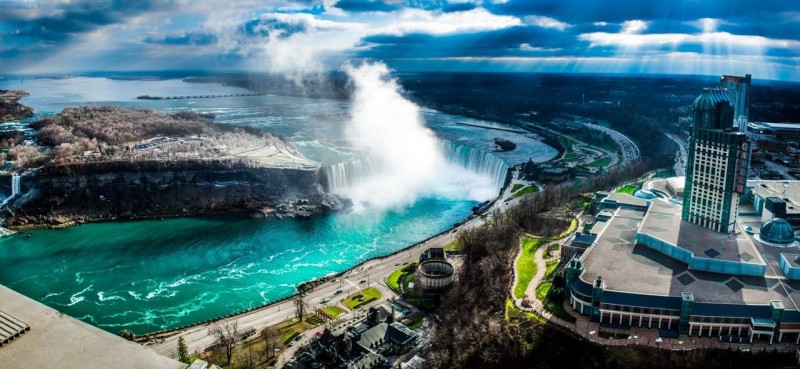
point(723, 262)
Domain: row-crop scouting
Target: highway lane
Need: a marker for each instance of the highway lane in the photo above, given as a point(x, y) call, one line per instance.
point(680, 161)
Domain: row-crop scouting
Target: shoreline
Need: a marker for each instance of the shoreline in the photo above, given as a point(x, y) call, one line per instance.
point(196, 335)
point(316, 282)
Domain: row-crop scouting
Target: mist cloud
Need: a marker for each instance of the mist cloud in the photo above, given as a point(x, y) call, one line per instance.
point(406, 157)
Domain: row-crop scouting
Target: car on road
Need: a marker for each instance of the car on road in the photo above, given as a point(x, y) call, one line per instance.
point(337, 292)
point(326, 300)
point(362, 281)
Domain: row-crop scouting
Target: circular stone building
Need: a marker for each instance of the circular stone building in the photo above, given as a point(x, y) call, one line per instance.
point(776, 231)
point(434, 275)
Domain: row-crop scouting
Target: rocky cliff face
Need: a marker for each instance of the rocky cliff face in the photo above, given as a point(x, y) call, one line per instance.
point(10, 109)
point(78, 193)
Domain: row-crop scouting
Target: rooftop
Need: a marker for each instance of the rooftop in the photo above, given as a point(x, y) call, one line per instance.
point(789, 191)
point(57, 340)
point(664, 221)
point(637, 269)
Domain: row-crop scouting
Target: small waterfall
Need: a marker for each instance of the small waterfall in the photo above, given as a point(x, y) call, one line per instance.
point(16, 184)
point(343, 175)
point(478, 161)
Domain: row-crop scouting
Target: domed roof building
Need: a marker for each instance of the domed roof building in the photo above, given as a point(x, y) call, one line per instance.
point(778, 231)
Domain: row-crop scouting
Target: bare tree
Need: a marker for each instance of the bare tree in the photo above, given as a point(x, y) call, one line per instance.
point(226, 334)
point(299, 306)
point(248, 359)
point(271, 338)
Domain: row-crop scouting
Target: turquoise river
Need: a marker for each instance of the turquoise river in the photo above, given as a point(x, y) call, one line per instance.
point(146, 276)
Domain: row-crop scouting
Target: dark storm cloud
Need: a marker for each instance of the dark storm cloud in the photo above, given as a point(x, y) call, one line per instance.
point(64, 20)
point(366, 6)
point(186, 38)
point(503, 42)
point(458, 7)
point(266, 26)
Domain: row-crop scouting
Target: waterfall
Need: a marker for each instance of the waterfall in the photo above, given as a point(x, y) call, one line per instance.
point(16, 184)
point(343, 175)
point(478, 161)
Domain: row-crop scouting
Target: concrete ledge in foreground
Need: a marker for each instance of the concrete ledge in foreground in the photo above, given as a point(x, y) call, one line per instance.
point(56, 340)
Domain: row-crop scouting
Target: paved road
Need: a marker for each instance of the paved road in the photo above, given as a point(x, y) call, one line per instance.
point(614, 157)
point(630, 152)
point(680, 161)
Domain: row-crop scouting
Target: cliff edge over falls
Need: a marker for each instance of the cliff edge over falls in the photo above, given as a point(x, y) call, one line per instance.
point(10, 109)
point(107, 163)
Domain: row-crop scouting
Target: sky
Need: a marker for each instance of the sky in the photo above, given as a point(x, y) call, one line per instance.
point(706, 37)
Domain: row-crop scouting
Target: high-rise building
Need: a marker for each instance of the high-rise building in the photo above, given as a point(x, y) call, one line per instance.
point(716, 172)
point(739, 90)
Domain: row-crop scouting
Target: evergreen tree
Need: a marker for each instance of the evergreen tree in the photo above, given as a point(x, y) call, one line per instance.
point(183, 351)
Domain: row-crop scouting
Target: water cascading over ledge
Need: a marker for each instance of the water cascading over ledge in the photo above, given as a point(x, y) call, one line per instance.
point(345, 174)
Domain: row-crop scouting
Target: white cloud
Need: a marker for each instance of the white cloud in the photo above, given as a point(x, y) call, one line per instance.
point(708, 25)
point(437, 23)
point(546, 22)
point(273, 47)
point(527, 47)
point(600, 24)
point(635, 26)
point(716, 39)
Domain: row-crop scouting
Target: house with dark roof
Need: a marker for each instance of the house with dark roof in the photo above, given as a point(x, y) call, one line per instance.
point(364, 343)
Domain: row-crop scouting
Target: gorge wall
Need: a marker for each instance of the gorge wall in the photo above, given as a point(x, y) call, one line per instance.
point(64, 195)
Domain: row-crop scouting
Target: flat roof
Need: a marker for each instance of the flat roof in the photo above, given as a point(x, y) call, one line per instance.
point(779, 125)
point(664, 221)
point(57, 340)
point(637, 269)
point(625, 199)
point(789, 191)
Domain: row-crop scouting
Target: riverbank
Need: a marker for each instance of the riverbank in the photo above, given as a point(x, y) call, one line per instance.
point(10, 108)
point(377, 270)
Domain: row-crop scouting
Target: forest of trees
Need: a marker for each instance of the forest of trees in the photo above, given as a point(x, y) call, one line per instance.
point(107, 133)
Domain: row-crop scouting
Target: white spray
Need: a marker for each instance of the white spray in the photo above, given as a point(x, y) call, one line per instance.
point(406, 157)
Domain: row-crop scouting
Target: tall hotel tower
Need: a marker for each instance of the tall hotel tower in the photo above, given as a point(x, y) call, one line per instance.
point(739, 90)
point(716, 173)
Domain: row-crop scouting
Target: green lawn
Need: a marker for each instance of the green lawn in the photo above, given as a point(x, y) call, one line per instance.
point(365, 296)
point(556, 307)
point(599, 162)
point(581, 169)
point(416, 322)
point(517, 186)
point(333, 311)
point(451, 247)
point(542, 289)
point(551, 268)
point(525, 191)
point(512, 312)
point(291, 328)
point(629, 189)
point(526, 266)
point(570, 157)
point(394, 279)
